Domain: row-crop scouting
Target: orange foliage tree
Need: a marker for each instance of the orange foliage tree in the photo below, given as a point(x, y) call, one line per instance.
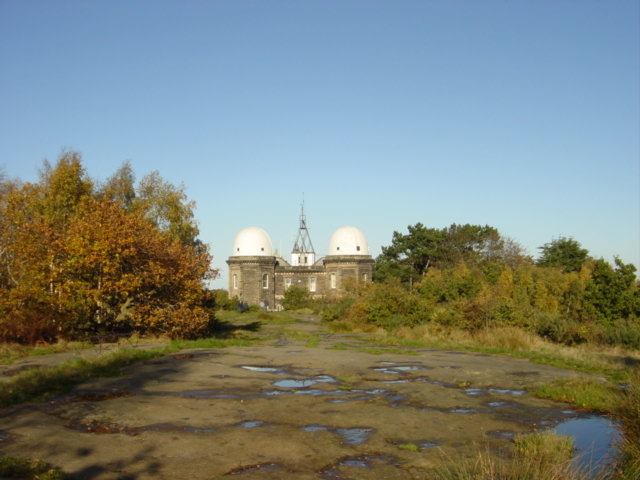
point(75, 263)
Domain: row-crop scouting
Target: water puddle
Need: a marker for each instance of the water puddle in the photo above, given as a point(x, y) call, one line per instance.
point(303, 382)
point(252, 368)
point(314, 428)
point(354, 436)
point(251, 424)
point(366, 462)
point(595, 439)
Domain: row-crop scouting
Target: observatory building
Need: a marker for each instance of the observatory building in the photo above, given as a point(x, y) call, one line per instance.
point(258, 276)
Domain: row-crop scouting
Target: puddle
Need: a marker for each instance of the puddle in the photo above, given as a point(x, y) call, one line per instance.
point(251, 424)
point(314, 428)
point(500, 404)
point(475, 392)
point(427, 444)
point(263, 369)
point(464, 410)
point(595, 439)
point(505, 391)
point(355, 436)
point(6, 437)
point(361, 462)
point(304, 382)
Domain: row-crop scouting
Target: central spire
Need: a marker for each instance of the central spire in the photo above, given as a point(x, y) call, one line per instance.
point(303, 253)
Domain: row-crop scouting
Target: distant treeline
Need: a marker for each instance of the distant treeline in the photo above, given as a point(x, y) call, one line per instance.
point(471, 277)
point(81, 259)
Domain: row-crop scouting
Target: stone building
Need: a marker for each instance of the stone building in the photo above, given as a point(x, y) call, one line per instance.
point(259, 276)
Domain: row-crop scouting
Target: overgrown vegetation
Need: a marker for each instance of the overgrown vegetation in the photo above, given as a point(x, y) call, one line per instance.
point(469, 277)
point(79, 258)
point(538, 456)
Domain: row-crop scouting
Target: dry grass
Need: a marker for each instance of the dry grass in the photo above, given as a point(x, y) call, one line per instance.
point(537, 456)
point(611, 361)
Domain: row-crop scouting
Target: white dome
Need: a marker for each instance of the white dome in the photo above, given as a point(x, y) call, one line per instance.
point(348, 241)
point(252, 241)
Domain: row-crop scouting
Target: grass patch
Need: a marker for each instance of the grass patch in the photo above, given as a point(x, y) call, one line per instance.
point(313, 341)
point(28, 469)
point(43, 383)
point(586, 393)
point(410, 447)
point(9, 353)
point(538, 456)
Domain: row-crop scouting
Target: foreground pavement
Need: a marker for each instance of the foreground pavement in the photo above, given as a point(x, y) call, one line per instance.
point(286, 409)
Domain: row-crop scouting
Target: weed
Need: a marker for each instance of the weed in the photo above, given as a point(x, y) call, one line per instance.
point(539, 456)
point(313, 341)
point(411, 447)
point(27, 469)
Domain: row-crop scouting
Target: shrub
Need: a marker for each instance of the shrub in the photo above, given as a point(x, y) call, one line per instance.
point(625, 333)
point(295, 298)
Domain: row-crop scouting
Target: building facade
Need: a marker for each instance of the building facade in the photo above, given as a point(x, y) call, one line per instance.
point(258, 276)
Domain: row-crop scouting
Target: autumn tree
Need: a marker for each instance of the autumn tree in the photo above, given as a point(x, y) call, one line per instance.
point(75, 261)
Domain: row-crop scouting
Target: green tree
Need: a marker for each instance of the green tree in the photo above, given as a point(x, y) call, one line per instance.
point(295, 297)
point(563, 252)
point(612, 293)
point(166, 206)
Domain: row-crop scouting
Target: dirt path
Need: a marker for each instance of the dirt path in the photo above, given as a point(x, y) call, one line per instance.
point(290, 409)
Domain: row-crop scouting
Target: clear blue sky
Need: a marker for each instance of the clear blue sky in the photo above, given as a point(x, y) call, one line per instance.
point(523, 115)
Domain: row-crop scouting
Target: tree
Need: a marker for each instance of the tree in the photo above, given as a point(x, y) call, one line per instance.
point(295, 297)
point(563, 252)
point(120, 187)
point(410, 255)
point(74, 261)
point(167, 207)
point(612, 293)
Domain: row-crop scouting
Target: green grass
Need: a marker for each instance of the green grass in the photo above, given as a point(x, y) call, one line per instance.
point(585, 393)
point(410, 447)
point(9, 353)
point(43, 383)
point(28, 469)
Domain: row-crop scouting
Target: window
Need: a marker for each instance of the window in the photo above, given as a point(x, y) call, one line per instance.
point(312, 284)
point(358, 248)
point(333, 280)
point(287, 282)
point(235, 281)
point(364, 277)
point(265, 280)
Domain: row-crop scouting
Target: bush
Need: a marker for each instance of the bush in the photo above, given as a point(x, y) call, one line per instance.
point(336, 309)
point(625, 333)
point(295, 298)
point(564, 331)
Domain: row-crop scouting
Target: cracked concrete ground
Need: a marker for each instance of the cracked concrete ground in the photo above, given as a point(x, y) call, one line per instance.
point(283, 409)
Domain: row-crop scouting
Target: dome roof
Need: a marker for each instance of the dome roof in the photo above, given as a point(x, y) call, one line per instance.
point(252, 241)
point(348, 241)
